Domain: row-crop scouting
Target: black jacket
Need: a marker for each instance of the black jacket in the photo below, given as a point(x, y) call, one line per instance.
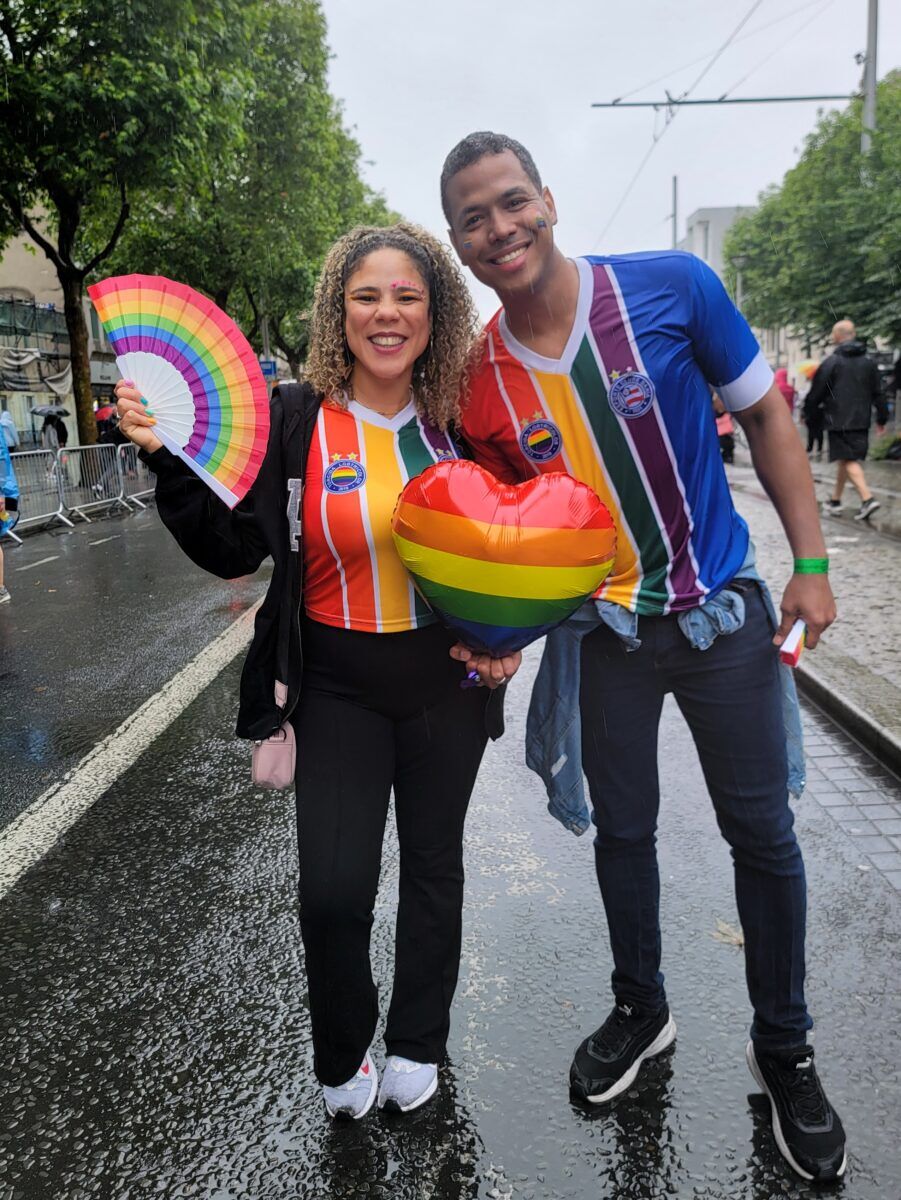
point(845, 389)
point(233, 542)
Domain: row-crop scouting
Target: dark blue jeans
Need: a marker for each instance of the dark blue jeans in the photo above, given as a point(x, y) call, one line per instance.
point(730, 698)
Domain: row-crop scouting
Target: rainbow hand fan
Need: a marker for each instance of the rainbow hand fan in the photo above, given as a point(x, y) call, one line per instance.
point(197, 372)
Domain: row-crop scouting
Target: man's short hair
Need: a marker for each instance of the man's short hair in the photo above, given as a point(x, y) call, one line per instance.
point(474, 147)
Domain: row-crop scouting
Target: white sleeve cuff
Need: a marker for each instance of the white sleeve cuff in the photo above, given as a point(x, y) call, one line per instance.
point(752, 385)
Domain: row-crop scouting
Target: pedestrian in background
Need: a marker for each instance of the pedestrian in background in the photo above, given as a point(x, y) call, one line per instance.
point(54, 435)
point(846, 389)
point(8, 425)
point(786, 388)
point(812, 419)
point(9, 506)
point(372, 692)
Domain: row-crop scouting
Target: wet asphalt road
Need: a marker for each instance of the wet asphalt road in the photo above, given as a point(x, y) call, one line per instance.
point(155, 1026)
point(101, 617)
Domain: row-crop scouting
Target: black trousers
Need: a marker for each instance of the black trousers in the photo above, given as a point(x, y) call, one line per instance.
point(381, 711)
point(730, 696)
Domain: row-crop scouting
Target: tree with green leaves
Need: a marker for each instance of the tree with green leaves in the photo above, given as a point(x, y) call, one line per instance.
point(101, 99)
point(826, 243)
point(252, 217)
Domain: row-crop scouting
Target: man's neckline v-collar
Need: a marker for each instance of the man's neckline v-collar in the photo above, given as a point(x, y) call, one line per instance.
point(563, 364)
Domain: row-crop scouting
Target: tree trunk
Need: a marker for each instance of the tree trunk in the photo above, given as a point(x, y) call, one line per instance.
point(294, 366)
point(73, 285)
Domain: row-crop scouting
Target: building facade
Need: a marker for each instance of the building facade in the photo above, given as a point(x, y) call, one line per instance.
point(34, 342)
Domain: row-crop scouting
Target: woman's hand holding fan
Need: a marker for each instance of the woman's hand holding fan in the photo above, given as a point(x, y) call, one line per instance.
point(133, 419)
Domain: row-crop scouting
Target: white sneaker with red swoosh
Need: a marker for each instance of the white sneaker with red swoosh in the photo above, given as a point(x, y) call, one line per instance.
point(353, 1099)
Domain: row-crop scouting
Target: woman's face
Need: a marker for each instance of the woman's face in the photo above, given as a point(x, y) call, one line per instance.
point(386, 314)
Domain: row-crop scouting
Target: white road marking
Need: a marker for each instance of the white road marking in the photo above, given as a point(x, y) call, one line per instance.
point(100, 541)
point(39, 563)
point(28, 838)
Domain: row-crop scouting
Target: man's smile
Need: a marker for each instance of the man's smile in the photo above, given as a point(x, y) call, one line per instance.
point(511, 256)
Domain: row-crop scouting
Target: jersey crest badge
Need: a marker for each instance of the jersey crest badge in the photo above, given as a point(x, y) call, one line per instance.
point(345, 473)
point(539, 439)
point(631, 395)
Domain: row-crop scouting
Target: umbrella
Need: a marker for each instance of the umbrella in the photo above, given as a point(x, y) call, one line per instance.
point(104, 413)
point(49, 410)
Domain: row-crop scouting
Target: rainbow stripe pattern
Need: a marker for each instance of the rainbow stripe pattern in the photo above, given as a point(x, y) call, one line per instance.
point(501, 564)
point(197, 372)
point(626, 409)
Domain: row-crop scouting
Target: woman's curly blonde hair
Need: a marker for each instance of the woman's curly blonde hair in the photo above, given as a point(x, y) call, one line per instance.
point(441, 373)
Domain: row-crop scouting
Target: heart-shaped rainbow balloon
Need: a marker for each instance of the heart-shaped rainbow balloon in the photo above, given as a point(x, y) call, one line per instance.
point(500, 563)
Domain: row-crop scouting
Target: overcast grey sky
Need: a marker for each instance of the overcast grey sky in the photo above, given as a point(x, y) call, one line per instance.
point(416, 76)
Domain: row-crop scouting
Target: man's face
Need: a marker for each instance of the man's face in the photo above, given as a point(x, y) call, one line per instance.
point(501, 224)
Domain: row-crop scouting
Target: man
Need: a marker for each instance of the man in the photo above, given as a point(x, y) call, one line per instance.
point(845, 389)
point(600, 367)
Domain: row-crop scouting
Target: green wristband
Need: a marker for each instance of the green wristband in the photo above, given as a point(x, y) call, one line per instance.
point(811, 566)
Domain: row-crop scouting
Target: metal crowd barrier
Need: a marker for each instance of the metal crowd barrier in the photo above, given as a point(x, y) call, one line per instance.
point(138, 481)
point(40, 492)
point(89, 478)
point(57, 485)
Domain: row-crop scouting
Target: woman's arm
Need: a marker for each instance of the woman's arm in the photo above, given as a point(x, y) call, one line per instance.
point(226, 542)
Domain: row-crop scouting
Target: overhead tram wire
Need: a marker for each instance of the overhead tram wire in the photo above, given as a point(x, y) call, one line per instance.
point(794, 33)
point(701, 57)
point(726, 44)
point(671, 116)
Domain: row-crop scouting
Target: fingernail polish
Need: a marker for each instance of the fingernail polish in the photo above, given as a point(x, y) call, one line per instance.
point(143, 401)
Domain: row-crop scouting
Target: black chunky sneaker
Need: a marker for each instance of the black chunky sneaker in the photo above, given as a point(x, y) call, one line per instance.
point(808, 1130)
point(607, 1062)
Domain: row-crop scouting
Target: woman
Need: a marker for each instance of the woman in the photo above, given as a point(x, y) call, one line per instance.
point(379, 703)
point(786, 388)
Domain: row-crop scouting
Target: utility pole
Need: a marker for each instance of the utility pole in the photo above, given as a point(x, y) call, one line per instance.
point(869, 79)
point(675, 210)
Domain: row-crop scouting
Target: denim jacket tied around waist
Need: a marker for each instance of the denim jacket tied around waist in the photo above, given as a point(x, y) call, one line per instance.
point(553, 729)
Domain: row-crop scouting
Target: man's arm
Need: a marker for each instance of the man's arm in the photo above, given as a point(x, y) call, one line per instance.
point(782, 468)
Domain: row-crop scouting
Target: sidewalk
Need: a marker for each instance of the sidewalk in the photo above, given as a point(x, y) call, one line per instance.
point(859, 683)
point(885, 480)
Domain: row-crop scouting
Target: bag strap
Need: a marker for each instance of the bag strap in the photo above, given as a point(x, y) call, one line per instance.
point(298, 400)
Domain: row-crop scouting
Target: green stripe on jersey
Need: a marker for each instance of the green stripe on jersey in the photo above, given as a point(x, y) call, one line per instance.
point(415, 456)
point(619, 464)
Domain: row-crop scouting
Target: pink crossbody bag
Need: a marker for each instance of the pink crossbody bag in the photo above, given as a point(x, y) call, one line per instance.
point(275, 759)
